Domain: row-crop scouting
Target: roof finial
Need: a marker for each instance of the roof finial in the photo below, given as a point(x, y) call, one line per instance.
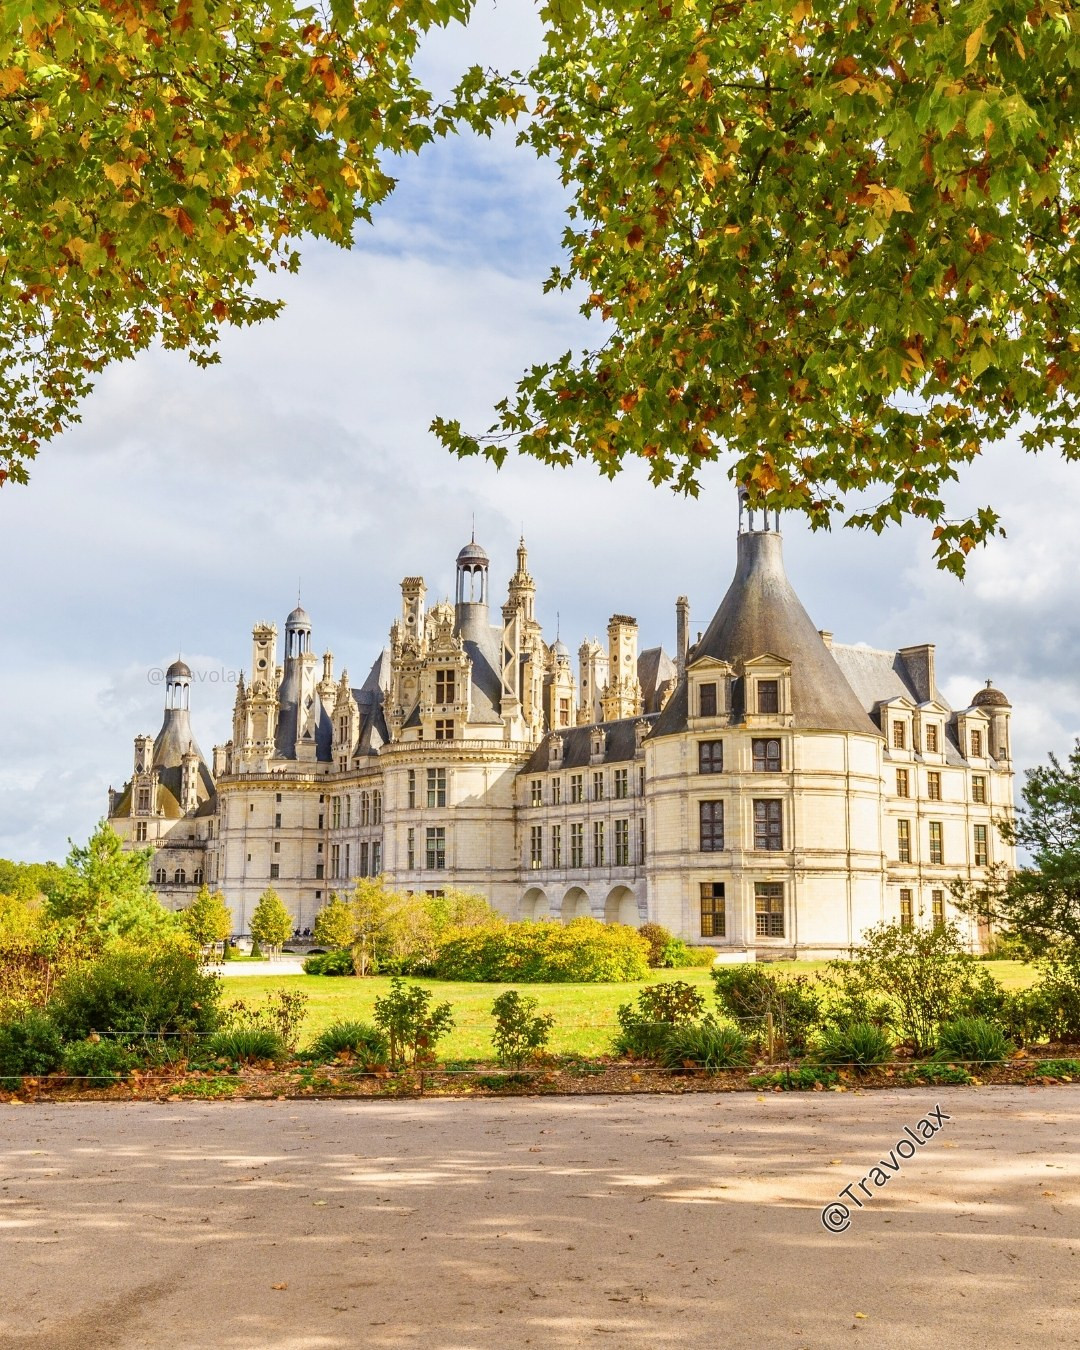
point(989, 684)
point(473, 539)
point(557, 621)
point(297, 592)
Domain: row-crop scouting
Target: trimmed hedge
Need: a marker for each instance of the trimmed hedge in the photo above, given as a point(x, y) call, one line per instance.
point(330, 963)
point(584, 951)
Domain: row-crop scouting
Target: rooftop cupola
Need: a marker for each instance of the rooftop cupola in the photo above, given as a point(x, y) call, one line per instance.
point(472, 575)
point(297, 633)
point(759, 521)
point(178, 686)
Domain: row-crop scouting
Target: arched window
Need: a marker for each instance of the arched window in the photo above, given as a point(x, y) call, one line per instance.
point(180, 877)
point(198, 877)
point(160, 877)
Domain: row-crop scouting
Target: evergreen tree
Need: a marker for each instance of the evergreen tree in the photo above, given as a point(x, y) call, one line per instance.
point(103, 888)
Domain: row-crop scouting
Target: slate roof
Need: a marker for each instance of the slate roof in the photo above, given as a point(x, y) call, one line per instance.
point(761, 614)
point(654, 669)
point(620, 745)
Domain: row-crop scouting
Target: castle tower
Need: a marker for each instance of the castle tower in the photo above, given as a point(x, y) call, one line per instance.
point(593, 666)
point(558, 688)
point(621, 696)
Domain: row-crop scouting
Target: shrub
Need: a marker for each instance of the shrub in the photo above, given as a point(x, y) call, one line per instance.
point(256, 952)
point(584, 951)
point(330, 963)
point(100, 1063)
point(972, 1040)
point(29, 1047)
point(806, 1078)
point(283, 1014)
point(135, 992)
point(411, 1025)
point(926, 975)
point(1055, 998)
point(361, 1040)
point(521, 1032)
point(935, 1074)
point(643, 1028)
point(659, 939)
point(704, 1045)
point(679, 955)
point(1056, 1068)
point(246, 1045)
point(764, 1004)
point(860, 1044)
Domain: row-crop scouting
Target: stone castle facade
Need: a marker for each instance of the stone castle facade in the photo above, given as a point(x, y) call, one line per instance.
point(767, 792)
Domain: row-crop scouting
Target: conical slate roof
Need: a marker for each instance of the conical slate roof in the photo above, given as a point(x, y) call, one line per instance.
point(760, 615)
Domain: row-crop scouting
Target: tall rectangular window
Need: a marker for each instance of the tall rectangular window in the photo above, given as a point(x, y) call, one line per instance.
point(376, 857)
point(907, 913)
point(335, 860)
point(348, 807)
point(902, 783)
point(710, 757)
point(903, 840)
point(641, 841)
point(769, 908)
point(410, 848)
point(364, 858)
point(143, 803)
point(536, 792)
point(376, 807)
point(982, 846)
point(598, 843)
point(937, 908)
point(707, 700)
point(769, 825)
point(445, 686)
point(435, 848)
point(976, 744)
point(436, 787)
point(412, 787)
point(713, 916)
point(277, 820)
point(899, 736)
point(711, 826)
point(564, 712)
point(140, 832)
point(937, 852)
point(348, 860)
point(536, 846)
point(598, 786)
point(978, 788)
point(335, 813)
point(622, 843)
point(577, 844)
point(556, 791)
point(932, 738)
point(641, 781)
point(768, 696)
point(275, 871)
point(444, 728)
point(556, 845)
point(766, 756)
point(620, 783)
point(577, 787)
point(933, 785)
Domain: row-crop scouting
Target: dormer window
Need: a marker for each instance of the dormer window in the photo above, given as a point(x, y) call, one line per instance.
point(976, 744)
point(931, 735)
point(768, 696)
point(445, 686)
point(899, 735)
point(707, 700)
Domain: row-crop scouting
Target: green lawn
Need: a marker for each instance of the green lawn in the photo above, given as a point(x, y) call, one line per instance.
point(584, 1013)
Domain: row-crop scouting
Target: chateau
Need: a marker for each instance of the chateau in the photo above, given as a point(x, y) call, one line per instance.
point(767, 791)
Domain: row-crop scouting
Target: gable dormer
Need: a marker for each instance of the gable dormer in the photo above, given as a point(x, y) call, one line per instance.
point(708, 691)
point(767, 691)
point(897, 720)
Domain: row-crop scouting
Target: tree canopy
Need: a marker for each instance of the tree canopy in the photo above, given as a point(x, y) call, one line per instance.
point(157, 156)
point(1040, 904)
point(832, 244)
point(106, 890)
point(271, 924)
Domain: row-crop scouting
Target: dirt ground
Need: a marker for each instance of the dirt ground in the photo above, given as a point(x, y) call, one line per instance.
point(673, 1221)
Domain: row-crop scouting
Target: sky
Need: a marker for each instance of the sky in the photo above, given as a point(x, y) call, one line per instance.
point(191, 504)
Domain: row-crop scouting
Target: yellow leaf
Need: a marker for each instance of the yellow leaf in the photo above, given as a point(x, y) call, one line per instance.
point(803, 9)
point(117, 173)
point(974, 42)
point(10, 80)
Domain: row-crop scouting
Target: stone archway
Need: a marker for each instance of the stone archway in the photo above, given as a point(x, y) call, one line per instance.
point(575, 905)
point(621, 906)
point(534, 904)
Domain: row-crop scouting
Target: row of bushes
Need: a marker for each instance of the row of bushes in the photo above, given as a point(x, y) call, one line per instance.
point(584, 951)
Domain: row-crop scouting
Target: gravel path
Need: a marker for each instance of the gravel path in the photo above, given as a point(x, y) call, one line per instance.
point(619, 1222)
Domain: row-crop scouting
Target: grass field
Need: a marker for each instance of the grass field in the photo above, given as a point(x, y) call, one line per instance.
point(584, 1013)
